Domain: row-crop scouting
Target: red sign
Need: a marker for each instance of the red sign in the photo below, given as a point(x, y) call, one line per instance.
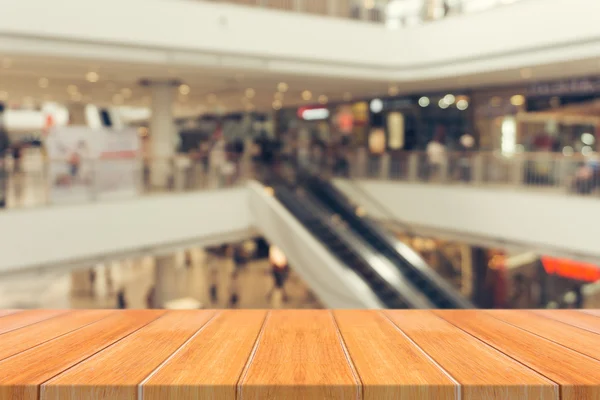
point(571, 269)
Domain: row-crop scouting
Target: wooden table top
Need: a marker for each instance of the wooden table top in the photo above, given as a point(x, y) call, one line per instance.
point(208, 354)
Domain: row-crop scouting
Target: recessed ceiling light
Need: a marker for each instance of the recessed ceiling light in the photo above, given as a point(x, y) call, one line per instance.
point(462, 104)
point(323, 99)
point(43, 82)
point(126, 92)
point(92, 77)
point(517, 100)
point(277, 105)
point(282, 87)
point(449, 99)
point(424, 101)
point(393, 90)
point(184, 90)
point(278, 96)
point(307, 95)
point(376, 106)
point(250, 93)
point(443, 104)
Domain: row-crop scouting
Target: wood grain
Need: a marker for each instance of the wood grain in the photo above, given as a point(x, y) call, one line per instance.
point(299, 355)
point(21, 375)
point(575, 318)
point(19, 340)
point(483, 372)
point(210, 365)
point(389, 365)
point(114, 373)
point(14, 321)
point(556, 362)
point(578, 339)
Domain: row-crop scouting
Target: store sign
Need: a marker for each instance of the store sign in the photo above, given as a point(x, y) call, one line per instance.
point(313, 114)
point(573, 86)
point(571, 269)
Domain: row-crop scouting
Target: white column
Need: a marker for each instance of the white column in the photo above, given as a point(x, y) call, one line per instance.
point(162, 131)
point(164, 265)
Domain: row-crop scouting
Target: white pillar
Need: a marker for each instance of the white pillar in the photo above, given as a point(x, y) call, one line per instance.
point(164, 265)
point(162, 131)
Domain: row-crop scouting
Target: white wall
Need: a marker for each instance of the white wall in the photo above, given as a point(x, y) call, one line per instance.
point(220, 35)
point(94, 232)
point(543, 222)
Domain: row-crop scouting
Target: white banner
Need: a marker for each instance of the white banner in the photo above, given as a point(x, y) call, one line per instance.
point(88, 164)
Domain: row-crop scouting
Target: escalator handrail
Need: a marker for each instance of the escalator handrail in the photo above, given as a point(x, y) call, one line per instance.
point(308, 210)
point(416, 263)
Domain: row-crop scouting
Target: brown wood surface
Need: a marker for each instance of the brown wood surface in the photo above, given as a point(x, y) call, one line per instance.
point(300, 355)
point(114, 374)
point(210, 365)
point(389, 365)
point(14, 321)
point(21, 375)
point(19, 340)
point(579, 319)
point(482, 371)
point(577, 339)
point(305, 354)
point(558, 363)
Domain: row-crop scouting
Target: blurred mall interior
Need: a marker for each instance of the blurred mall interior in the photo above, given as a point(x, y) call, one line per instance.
point(300, 154)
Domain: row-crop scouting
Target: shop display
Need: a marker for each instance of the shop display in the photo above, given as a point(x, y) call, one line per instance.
point(87, 164)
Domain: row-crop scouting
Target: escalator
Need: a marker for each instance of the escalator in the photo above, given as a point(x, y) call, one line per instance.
point(392, 291)
point(412, 266)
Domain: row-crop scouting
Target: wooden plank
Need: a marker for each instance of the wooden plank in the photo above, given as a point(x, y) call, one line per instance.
point(483, 372)
point(299, 355)
point(580, 340)
point(572, 317)
point(584, 319)
point(556, 362)
point(210, 365)
point(116, 372)
point(20, 376)
point(14, 321)
point(388, 364)
point(19, 340)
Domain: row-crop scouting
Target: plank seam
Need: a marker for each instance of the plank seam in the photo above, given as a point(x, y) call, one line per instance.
point(458, 385)
point(556, 385)
point(32, 323)
point(93, 354)
point(140, 386)
point(246, 369)
point(543, 337)
point(56, 337)
point(583, 313)
point(359, 389)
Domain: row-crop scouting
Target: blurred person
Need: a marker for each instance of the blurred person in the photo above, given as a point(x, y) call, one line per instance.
point(234, 297)
point(217, 157)
point(239, 257)
point(121, 300)
point(467, 143)
point(151, 298)
point(17, 152)
point(436, 154)
point(587, 176)
point(92, 282)
point(280, 270)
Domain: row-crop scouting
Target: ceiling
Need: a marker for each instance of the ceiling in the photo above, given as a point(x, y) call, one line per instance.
point(31, 80)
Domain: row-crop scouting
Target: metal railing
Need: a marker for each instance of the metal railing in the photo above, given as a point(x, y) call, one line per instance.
point(55, 182)
point(394, 13)
point(569, 174)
